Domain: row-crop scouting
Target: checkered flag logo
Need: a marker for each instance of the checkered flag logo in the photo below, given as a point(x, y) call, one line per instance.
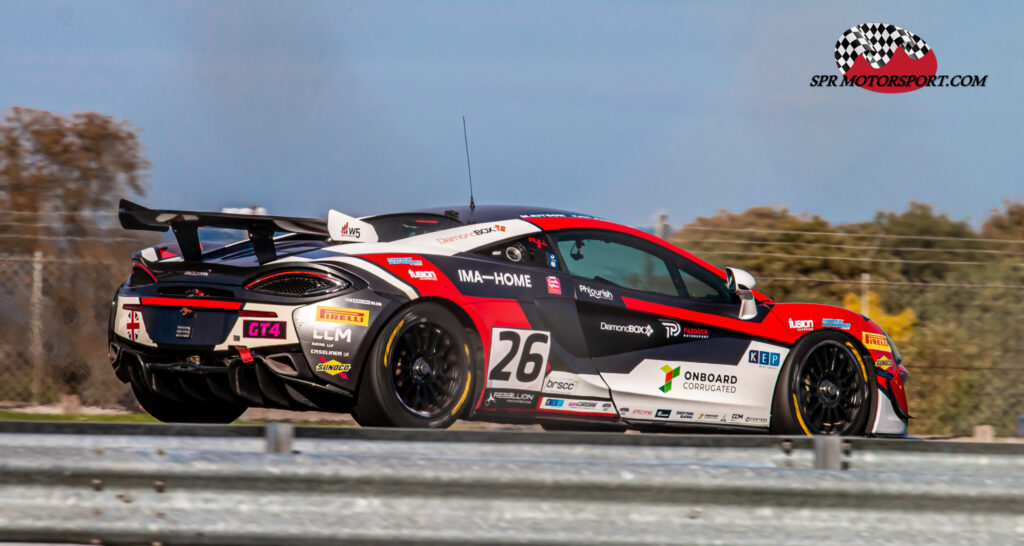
point(877, 42)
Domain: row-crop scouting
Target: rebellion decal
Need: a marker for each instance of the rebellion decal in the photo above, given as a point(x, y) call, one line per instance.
point(875, 341)
point(266, 329)
point(509, 399)
point(343, 315)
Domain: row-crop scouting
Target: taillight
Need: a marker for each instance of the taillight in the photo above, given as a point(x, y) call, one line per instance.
point(141, 275)
point(297, 283)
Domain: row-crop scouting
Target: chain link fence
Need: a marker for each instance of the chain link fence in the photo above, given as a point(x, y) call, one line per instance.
point(53, 331)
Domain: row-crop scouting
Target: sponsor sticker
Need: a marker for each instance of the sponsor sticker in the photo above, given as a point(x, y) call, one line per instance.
point(509, 399)
point(700, 381)
point(875, 341)
point(801, 325)
point(756, 420)
point(672, 328)
point(333, 367)
point(885, 363)
point(405, 261)
point(552, 260)
point(835, 323)
point(422, 275)
point(643, 412)
point(133, 323)
point(554, 286)
point(736, 418)
point(496, 228)
point(684, 414)
point(663, 414)
point(597, 293)
point(498, 278)
point(183, 332)
point(695, 333)
point(267, 329)
point(560, 386)
point(364, 302)
point(343, 315)
point(644, 330)
point(708, 417)
point(766, 359)
point(333, 334)
point(554, 402)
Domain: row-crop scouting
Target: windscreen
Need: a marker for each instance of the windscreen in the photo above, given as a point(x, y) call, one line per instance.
point(401, 226)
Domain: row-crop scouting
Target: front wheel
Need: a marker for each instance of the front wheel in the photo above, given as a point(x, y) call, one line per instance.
point(419, 374)
point(824, 388)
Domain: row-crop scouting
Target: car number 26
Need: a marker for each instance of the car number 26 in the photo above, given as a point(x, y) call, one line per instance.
point(518, 358)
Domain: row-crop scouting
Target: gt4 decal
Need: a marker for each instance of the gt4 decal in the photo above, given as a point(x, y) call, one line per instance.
point(518, 358)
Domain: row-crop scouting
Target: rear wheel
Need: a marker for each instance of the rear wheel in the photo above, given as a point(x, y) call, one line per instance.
point(823, 388)
point(419, 374)
point(169, 410)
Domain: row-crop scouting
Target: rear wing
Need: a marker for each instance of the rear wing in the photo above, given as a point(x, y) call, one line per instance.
point(185, 225)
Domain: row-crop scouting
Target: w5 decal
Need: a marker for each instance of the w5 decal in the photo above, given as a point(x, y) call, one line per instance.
point(518, 358)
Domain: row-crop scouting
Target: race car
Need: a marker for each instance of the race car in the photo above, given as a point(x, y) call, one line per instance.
point(492, 313)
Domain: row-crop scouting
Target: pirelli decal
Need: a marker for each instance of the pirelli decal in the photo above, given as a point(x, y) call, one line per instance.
point(343, 315)
point(875, 341)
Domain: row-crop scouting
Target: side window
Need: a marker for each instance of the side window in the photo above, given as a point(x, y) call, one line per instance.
point(533, 251)
point(615, 259)
point(702, 284)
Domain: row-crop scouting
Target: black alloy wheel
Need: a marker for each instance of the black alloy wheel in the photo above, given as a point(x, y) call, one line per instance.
point(830, 389)
point(419, 373)
point(426, 373)
point(824, 388)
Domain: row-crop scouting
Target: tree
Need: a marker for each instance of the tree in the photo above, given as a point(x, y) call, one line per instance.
point(60, 179)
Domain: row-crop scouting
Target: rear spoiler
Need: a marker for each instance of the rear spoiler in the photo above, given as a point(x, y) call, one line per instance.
point(185, 225)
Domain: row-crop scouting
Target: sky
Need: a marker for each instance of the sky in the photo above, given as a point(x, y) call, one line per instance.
point(621, 110)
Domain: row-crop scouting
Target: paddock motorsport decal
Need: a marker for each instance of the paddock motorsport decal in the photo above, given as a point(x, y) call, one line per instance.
point(886, 58)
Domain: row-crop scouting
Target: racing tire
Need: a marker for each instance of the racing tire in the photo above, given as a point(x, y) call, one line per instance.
point(168, 410)
point(419, 373)
point(824, 388)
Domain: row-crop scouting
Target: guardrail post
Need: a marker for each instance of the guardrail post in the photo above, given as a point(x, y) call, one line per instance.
point(279, 437)
point(827, 452)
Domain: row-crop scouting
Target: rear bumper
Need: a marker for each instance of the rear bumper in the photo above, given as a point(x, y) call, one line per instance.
point(277, 377)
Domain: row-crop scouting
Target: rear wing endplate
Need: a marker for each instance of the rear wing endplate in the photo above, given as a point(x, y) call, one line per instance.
point(185, 225)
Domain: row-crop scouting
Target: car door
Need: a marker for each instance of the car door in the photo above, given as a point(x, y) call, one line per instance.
point(641, 308)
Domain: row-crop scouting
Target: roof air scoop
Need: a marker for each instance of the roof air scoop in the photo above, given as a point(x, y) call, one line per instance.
point(343, 227)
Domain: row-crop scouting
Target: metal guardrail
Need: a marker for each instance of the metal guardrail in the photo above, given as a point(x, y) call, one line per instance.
point(174, 484)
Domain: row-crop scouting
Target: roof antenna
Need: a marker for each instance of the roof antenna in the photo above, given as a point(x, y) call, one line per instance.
point(465, 137)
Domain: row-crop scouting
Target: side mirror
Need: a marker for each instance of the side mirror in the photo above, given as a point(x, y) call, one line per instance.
point(742, 284)
point(738, 279)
